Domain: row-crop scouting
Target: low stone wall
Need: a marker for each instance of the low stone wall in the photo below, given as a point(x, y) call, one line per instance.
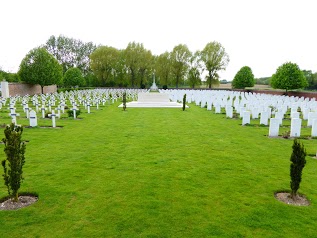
point(30, 89)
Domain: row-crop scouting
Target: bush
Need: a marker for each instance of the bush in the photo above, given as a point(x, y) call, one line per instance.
point(288, 76)
point(298, 162)
point(244, 78)
point(71, 113)
point(14, 149)
point(184, 102)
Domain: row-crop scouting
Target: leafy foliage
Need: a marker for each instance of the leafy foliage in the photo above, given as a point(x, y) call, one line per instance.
point(180, 57)
point(70, 112)
point(262, 81)
point(13, 164)
point(298, 162)
point(73, 77)
point(195, 70)
point(9, 77)
point(288, 76)
point(163, 68)
point(40, 67)
point(215, 59)
point(70, 52)
point(311, 79)
point(103, 63)
point(243, 78)
point(138, 60)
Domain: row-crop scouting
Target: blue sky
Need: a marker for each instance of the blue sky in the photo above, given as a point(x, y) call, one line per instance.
point(260, 34)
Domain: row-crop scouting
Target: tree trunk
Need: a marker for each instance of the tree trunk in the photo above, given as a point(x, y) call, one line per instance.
point(42, 89)
point(209, 79)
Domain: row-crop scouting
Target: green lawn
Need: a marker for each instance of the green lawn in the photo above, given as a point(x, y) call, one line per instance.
point(158, 173)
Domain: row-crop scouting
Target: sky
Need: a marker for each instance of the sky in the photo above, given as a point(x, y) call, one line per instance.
point(261, 34)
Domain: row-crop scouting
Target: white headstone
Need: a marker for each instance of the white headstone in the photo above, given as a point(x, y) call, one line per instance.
point(5, 89)
point(274, 127)
point(229, 111)
point(246, 118)
point(311, 116)
point(217, 109)
point(264, 119)
point(314, 128)
point(296, 124)
point(53, 115)
point(295, 115)
point(33, 118)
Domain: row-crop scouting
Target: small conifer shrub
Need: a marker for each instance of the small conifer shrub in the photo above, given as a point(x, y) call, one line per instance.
point(14, 149)
point(298, 162)
point(184, 102)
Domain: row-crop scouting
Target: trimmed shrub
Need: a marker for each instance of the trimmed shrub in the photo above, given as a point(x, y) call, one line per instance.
point(184, 102)
point(298, 162)
point(14, 149)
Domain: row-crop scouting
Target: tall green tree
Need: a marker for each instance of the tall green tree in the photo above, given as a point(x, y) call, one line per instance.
point(73, 77)
point(132, 53)
point(40, 67)
point(215, 59)
point(243, 78)
point(70, 52)
point(311, 79)
point(103, 63)
point(180, 57)
point(163, 68)
point(138, 61)
point(288, 76)
point(121, 72)
point(145, 65)
point(195, 70)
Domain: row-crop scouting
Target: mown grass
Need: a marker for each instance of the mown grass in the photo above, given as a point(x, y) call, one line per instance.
point(158, 173)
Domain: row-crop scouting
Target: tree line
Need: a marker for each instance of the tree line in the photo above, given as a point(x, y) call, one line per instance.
point(86, 64)
point(135, 66)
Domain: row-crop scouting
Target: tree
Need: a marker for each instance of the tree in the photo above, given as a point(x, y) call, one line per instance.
point(298, 162)
point(9, 77)
point(138, 61)
point(180, 57)
point(13, 164)
point(70, 52)
point(311, 79)
point(215, 59)
point(73, 77)
point(288, 76)
point(243, 78)
point(102, 63)
point(195, 70)
point(145, 65)
point(163, 68)
point(40, 67)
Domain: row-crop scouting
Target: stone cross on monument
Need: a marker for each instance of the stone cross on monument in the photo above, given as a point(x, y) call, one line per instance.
point(154, 87)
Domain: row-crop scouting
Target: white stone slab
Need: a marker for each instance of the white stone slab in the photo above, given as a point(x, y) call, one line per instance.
point(274, 127)
point(296, 125)
point(314, 128)
point(246, 117)
point(33, 118)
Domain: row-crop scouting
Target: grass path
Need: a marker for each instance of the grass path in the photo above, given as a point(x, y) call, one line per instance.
point(158, 173)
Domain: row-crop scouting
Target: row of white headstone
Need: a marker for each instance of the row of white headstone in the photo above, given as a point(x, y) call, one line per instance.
point(249, 105)
point(86, 98)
